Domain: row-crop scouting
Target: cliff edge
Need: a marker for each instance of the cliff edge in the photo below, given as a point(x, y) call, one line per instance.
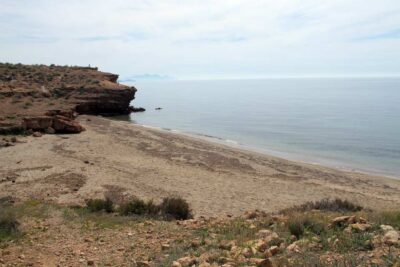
point(48, 98)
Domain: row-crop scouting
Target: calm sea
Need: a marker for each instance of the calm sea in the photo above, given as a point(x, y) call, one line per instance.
point(350, 123)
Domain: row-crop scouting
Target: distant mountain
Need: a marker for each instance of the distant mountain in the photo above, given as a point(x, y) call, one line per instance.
point(147, 77)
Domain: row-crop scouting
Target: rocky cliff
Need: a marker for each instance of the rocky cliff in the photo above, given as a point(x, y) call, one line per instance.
point(40, 97)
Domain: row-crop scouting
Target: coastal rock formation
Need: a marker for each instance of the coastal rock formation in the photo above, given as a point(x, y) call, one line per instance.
point(35, 96)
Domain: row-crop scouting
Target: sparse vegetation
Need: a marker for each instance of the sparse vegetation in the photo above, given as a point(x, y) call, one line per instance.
point(139, 207)
point(176, 207)
point(8, 223)
point(236, 241)
point(171, 207)
point(97, 205)
point(334, 205)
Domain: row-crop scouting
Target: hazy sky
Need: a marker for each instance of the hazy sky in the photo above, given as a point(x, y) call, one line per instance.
point(200, 39)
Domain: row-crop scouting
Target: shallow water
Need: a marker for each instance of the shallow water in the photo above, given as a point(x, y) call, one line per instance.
point(351, 123)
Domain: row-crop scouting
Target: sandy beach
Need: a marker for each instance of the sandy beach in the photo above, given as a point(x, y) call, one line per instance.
point(121, 160)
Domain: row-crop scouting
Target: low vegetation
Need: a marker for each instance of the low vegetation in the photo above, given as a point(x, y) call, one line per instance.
point(134, 232)
point(96, 205)
point(170, 208)
point(8, 224)
point(335, 205)
point(139, 207)
point(176, 207)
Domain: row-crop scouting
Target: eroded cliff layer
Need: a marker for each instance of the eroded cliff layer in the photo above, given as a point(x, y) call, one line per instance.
point(31, 93)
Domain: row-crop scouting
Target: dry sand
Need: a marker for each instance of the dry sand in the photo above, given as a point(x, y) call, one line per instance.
point(120, 160)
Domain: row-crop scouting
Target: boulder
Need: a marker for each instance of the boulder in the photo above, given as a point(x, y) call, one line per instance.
point(391, 238)
point(50, 130)
point(272, 251)
point(293, 248)
point(386, 228)
point(37, 134)
point(360, 227)
point(40, 123)
point(63, 124)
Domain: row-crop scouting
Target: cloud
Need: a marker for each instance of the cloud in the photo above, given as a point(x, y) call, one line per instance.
point(205, 38)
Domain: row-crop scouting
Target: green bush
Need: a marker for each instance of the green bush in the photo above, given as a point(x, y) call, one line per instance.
point(176, 207)
point(96, 205)
point(139, 207)
point(336, 205)
point(299, 225)
point(296, 228)
point(8, 223)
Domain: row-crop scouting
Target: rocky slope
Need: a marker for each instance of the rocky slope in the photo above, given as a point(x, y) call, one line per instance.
point(47, 98)
point(326, 235)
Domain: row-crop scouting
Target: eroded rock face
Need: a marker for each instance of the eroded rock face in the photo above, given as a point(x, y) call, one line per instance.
point(63, 124)
point(53, 124)
point(31, 96)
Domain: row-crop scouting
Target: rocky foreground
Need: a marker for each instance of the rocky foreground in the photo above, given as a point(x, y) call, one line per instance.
point(48, 98)
point(320, 234)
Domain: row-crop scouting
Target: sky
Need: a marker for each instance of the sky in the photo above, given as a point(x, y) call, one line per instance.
point(206, 39)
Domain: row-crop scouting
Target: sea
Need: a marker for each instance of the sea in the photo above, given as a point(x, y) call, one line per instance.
point(346, 123)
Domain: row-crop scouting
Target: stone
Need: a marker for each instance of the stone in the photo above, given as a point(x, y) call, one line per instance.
point(187, 261)
point(261, 262)
point(90, 262)
point(226, 245)
point(340, 220)
point(272, 251)
point(386, 228)
point(37, 123)
point(133, 109)
point(264, 233)
point(391, 238)
point(65, 125)
point(262, 245)
point(50, 130)
point(360, 227)
point(37, 134)
point(248, 253)
point(205, 264)
point(176, 264)
point(293, 248)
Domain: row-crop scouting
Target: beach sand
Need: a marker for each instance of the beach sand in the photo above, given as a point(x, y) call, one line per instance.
point(121, 160)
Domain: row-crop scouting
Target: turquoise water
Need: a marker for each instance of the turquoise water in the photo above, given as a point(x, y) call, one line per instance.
point(351, 123)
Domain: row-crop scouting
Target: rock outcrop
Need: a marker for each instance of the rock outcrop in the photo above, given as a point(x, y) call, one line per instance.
point(48, 98)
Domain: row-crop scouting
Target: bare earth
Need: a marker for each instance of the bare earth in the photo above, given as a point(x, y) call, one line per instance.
point(120, 160)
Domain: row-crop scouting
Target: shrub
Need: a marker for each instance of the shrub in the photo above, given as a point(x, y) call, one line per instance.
point(176, 207)
point(298, 225)
point(336, 205)
point(96, 205)
point(8, 223)
point(139, 207)
point(296, 228)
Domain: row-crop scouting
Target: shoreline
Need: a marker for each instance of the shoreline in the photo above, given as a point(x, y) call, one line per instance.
point(313, 160)
point(121, 160)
